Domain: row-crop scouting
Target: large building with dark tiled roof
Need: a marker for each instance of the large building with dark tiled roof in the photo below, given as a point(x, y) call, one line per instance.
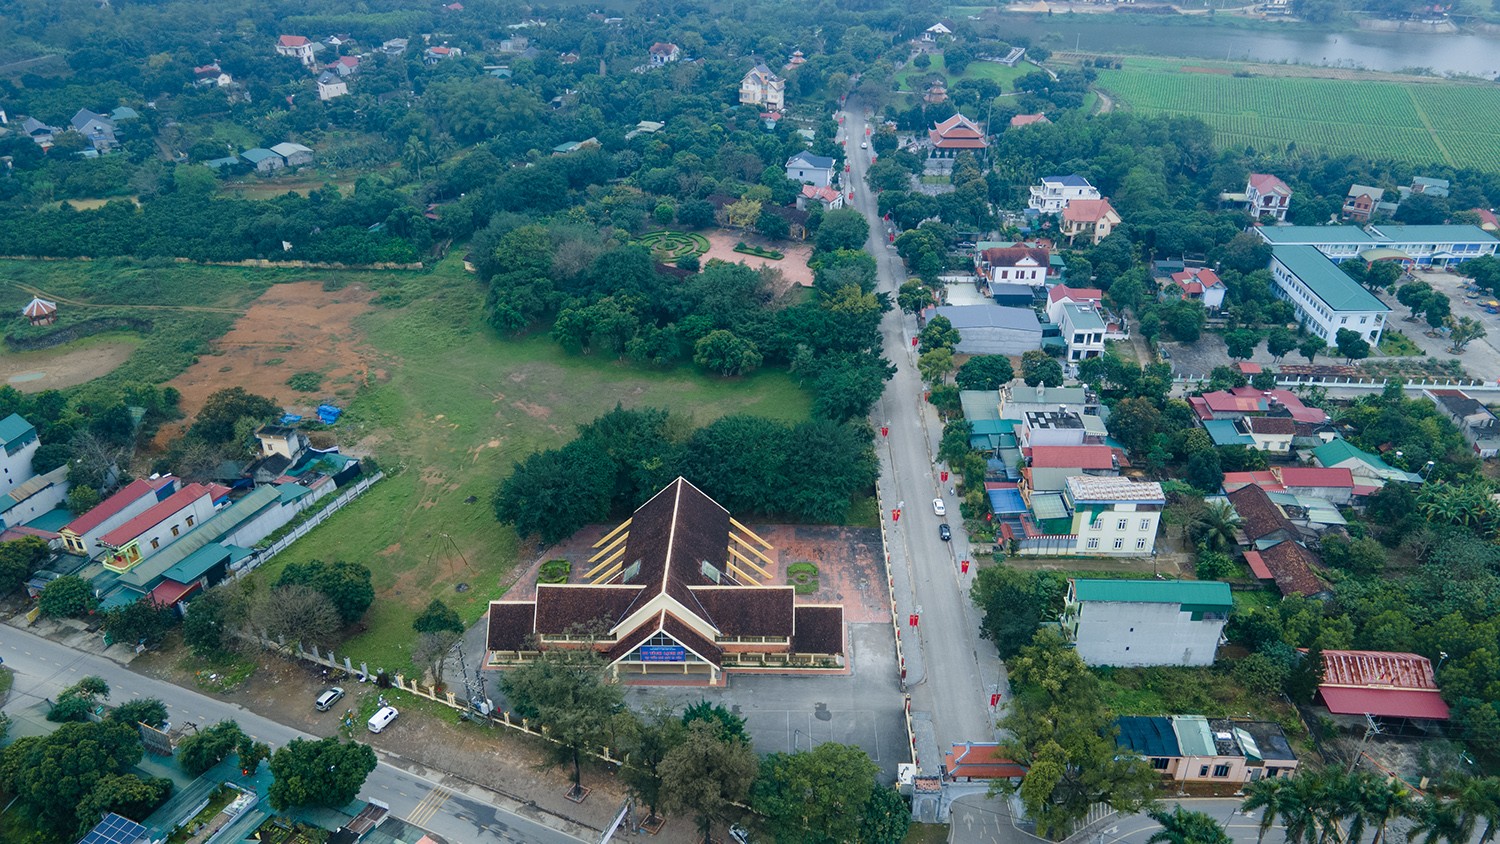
point(680, 588)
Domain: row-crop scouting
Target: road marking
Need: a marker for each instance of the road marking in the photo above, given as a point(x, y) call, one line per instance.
point(428, 806)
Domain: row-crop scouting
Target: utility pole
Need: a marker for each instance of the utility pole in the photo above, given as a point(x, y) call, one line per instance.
point(473, 684)
point(1371, 729)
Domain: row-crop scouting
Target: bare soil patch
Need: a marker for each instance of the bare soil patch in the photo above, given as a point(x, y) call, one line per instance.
point(793, 267)
point(63, 366)
point(291, 328)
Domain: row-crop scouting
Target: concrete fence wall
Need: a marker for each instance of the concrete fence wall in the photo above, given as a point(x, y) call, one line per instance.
point(1356, 383)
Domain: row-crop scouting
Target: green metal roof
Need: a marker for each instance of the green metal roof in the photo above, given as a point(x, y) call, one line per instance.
point(1194, 738)
point(1337, 451)
point(13, 428)
point(1196, 593)
point(979, 405)
point(994, 426)
point(198, 563)
point(1224, 432)
point(1315, 234)
point(53, 520)
point(1434, 234)
point(1329, 283)
point(213, 529)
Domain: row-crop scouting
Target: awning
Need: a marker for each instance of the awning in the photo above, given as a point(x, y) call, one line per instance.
point(1386, 703)
point(1384, 253)
point(1258, 566)
point(169, 592)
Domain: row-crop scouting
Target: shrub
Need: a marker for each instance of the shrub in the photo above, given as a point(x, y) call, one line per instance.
point(305, 382)
point(554, 571)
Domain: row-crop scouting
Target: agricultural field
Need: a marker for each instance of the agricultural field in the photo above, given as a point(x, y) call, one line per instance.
point(1453, 123)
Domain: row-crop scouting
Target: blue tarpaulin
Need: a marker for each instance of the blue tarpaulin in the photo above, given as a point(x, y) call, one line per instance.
point(290, 419)
point(1006, 502)
point(328, 414)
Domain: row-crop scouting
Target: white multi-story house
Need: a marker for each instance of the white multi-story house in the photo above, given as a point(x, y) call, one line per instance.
point(1055, 192)
point(761, 87)
point(18, 442)
point(809, 169)
point(1200, 284)
point(331, 85)
point(1114, 516)
point(297, 47)
point(1016, 265)
point(1146, 622)
point(81, 536)
point(1267, 196)
point(663, 52)
point(1476, 422)
point(1326, 299)
point(1083, 331)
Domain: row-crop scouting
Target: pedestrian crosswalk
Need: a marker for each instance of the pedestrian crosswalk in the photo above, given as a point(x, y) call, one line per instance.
point(428, 806)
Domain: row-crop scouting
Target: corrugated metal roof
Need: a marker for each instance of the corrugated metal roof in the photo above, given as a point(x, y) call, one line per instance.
point(210, 530)
point(1388, 703)
point(1202, 593)
point(1194, 738)
point(1147, 735)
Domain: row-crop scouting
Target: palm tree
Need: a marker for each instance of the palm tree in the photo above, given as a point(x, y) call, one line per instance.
point(1439, 820)
point(1179, 827)
point(1478, 799)
point(1216, 526)
point(1378, 803)
point(1274, 798)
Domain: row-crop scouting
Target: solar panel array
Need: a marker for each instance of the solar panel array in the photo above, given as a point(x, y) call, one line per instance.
point(115, 830)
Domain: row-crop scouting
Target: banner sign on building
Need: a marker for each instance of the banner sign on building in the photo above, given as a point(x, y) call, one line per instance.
point(663, 653)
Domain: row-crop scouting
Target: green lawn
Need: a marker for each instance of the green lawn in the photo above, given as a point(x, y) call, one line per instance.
point(999, 73)
point(460, 407)
point(1423, 123)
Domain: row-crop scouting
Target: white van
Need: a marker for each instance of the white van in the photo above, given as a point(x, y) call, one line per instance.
point(382, 719)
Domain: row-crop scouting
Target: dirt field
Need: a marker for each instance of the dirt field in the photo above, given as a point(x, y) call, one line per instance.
point(63, 366)
point(292, 328)
point(793, 266)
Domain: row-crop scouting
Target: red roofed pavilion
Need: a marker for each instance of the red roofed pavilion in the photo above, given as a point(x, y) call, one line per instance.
point(955, 135)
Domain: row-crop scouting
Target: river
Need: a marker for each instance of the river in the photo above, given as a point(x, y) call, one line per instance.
point(1466, 54)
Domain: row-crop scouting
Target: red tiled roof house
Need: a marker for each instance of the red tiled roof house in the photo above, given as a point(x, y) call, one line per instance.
point(159, 526)
point(81, 536)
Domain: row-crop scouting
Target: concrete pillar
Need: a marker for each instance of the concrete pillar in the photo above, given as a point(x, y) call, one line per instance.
point(452, 699)
point(400, 682)
point(364, 669)
point(347, 666)
point(315, 653)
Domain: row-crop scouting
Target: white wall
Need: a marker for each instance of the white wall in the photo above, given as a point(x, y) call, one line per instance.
point(15, 469)
point(1137, 634)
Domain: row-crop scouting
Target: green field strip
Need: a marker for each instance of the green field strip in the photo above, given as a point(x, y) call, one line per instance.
point(1447, 156)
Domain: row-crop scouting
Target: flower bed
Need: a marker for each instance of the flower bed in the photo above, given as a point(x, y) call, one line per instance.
point(758, 252)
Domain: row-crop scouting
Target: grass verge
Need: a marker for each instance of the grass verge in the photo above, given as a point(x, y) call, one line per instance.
point(1212, 692)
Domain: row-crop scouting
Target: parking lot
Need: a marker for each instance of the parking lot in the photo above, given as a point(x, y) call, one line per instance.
point(1482, 357)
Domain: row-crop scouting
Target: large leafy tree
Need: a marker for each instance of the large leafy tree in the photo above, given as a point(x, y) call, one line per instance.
point(68, 596)
point(567, 693)
point(319, 773)
point(646, 742)
point(208, 747)
point(51, 776)
point(346, 584)
point(127, 795)
point(842, 229)
point(554, 493)
point(1062, 731)
point(144, 622)
point(19, 559)
point(1015, 603)
point(985, 372)
point(1038, 368)
point(219, 420)
point(887, 817)
point(707, 775)
point(815, 796)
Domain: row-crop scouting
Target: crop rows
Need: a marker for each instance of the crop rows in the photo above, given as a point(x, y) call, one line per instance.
point(1370, 118)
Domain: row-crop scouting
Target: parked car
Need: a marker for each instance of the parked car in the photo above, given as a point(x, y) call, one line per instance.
point(327, 699)
point(945, 533)
point(938, 507)
point(382, 719)
point(739, 834)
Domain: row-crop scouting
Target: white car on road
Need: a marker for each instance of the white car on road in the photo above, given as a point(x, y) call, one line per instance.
point(938, 507)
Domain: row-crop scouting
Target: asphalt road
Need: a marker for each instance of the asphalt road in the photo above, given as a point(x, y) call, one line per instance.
point(951, 671)
point(450, 809)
